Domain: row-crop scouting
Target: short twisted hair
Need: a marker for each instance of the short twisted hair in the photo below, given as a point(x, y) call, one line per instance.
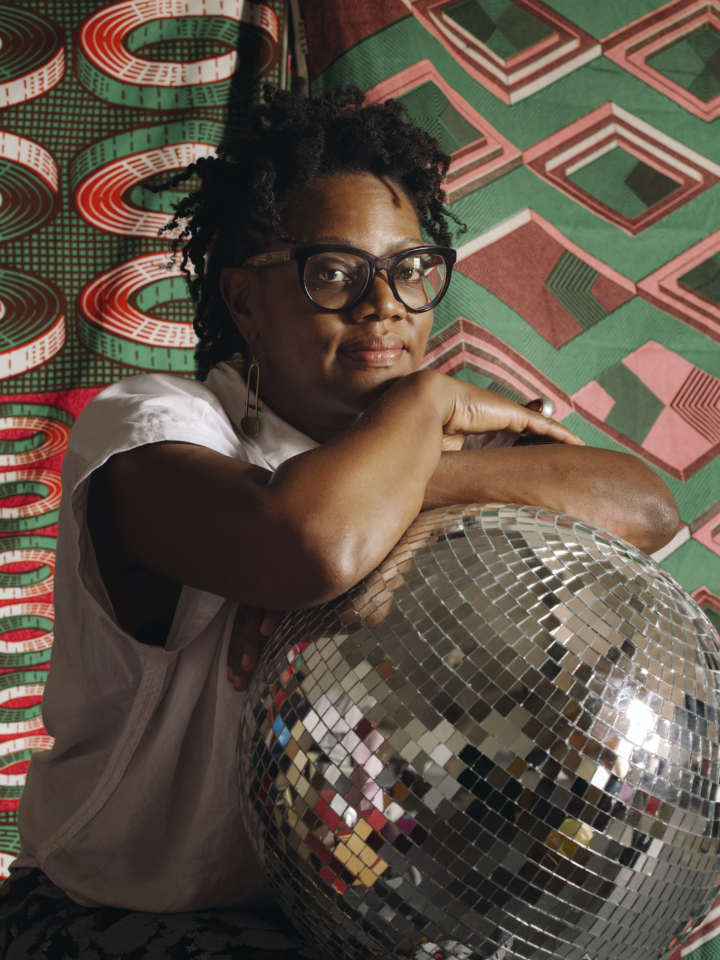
point(292, 140)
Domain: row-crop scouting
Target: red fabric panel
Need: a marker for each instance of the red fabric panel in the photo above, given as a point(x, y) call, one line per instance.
point(333, 27)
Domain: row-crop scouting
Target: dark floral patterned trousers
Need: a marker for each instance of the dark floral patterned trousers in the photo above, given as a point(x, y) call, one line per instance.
point(37, 920)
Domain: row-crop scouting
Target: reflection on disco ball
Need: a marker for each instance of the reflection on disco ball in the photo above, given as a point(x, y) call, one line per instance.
point(503, 743)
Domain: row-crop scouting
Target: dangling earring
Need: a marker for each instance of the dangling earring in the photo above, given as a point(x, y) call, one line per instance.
point(250, 426)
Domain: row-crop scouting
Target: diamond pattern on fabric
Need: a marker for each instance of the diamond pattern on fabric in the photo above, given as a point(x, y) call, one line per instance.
point(431, 109)
point(704, 279)
point(513, 49)
point(621, 181)
point(622, 168)
point(692, 62)
point(501, 25)
point(636, 407)
point(571, 283)
point(688, 286)
point(478, 153)
point(465, 347)
point(659, 405)
point(674, 48)
point(563, 291)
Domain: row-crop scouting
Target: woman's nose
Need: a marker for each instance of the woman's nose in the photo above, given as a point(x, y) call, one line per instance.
point(380, 303)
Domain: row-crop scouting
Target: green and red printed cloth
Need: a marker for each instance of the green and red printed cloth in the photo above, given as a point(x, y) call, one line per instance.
point(585, 163)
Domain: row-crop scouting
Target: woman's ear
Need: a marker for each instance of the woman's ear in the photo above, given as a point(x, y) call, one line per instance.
point(238, 289)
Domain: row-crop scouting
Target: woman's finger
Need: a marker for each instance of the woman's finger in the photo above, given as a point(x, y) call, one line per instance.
point(244, 648)
point(251, 645)
point(477, 410)
point(271, 621)
point(453, 441)
point(547, 427)
point(545, 407)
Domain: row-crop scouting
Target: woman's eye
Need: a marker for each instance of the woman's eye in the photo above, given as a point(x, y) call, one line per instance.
point(334, 276)
point(410, 274)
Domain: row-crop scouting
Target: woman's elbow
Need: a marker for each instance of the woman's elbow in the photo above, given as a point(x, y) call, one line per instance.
point(641, 509)
point(323, 566)
point(339, 565)
point(654, 521)
point(662, 522)
point(340, 555)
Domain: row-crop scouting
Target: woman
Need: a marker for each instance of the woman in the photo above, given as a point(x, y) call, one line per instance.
point(184, 527)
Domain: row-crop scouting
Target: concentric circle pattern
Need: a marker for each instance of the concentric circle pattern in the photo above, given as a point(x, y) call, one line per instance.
point(44, 484)
point(13, 686)
point(111, 69)
point(32, 59)
point(12, 752)
point(29, 183)
point(189, 42)
point(33, 321)
point(36, 555)
point(23, 618)
point(107, 178)
point(48, 428)
point(116, 327)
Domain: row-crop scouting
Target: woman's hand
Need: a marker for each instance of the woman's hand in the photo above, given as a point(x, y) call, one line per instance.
point(467, 409)
point(613, 490)
point(250, 626)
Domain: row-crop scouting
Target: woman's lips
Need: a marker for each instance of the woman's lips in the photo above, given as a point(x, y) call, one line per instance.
point(374, 352)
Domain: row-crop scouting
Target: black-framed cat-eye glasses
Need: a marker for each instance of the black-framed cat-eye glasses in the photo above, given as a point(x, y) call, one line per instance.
point(335, 278)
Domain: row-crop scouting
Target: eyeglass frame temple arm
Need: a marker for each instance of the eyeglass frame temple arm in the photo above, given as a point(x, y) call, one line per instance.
point(263, 259)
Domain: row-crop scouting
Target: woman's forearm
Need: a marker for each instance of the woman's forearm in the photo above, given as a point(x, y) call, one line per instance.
point(353, 497)
point(322, 521)
point(368, 484)
point(613, 490)
point(290, 539)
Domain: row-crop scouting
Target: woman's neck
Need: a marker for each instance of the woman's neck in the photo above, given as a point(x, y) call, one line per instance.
point(320, 424)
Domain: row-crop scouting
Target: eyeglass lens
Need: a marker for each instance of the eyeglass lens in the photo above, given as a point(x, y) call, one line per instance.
point(336, 280)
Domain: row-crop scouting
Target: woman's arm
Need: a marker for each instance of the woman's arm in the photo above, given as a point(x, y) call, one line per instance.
point(323, 520)
point(616, 491)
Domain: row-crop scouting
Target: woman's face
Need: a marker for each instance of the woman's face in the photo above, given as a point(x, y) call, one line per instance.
point(320, 370)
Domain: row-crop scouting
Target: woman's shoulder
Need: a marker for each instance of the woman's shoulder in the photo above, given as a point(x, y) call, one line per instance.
point(150, 408)
point(158, 394)
point(225, 378)
point(156, 385)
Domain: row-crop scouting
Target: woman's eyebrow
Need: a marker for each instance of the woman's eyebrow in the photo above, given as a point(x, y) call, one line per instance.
point(416, 241)
point(343, 240)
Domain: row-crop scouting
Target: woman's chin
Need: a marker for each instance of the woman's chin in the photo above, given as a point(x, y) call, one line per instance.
point(362, 386)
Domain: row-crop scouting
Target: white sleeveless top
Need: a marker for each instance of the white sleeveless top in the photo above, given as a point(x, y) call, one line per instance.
point(136, 804)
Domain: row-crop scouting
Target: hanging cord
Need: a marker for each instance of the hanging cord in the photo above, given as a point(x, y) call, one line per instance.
point(284, 47)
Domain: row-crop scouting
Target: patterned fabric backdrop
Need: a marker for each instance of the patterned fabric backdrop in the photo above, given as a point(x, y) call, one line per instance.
point(98, 102)
point(585, 163)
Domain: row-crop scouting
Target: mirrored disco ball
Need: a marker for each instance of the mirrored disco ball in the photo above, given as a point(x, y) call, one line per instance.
point(503, 743)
